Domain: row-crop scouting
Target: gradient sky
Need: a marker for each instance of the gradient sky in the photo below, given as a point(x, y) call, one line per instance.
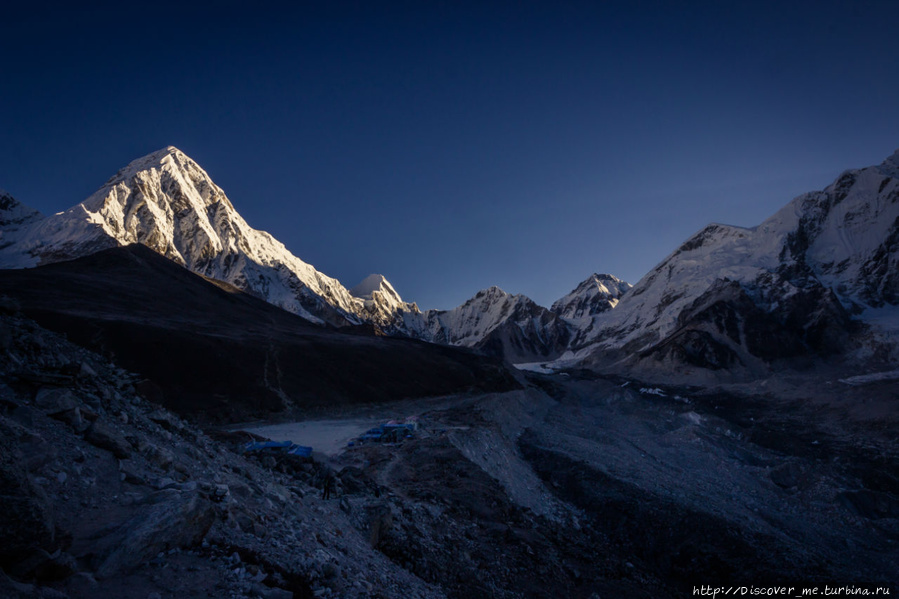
point(456, 145)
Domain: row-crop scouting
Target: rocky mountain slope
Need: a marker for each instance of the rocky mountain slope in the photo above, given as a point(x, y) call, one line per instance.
point(817, 279)
point(803, 283)
point(106, 494)
point(14, 215)
point(217, 354)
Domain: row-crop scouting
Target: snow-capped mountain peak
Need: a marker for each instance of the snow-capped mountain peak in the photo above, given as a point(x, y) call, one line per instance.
point(381, 304)
point(790, 280)
point(494, 322)
point(598, 293)
point(491, 294)
point(14, 214)
point(371, 284)
point(469, 323)
point(166, 201)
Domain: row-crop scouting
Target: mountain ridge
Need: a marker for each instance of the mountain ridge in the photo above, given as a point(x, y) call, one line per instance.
point(811, 272)
point(167, 202)
point(496, 323)
point(824, 257)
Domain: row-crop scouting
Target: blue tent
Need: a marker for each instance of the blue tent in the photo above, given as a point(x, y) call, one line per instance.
point(288, 447)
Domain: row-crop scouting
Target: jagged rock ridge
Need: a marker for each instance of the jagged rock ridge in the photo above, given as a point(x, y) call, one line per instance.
point(496, 323)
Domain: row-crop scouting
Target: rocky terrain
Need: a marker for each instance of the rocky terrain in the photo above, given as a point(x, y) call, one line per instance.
point(219, 355)
point(108, 495)
point(574, 486)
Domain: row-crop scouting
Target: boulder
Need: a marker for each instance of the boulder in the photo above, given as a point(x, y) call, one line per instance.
point(107, 438)
point(166, 420)
point(86, 371)
point(380, 519)
point(73, 418)
point(158, 456)
point(55, 401)
point(181, 520)
point(26, 517)
point(787, 475)
point(130, 473)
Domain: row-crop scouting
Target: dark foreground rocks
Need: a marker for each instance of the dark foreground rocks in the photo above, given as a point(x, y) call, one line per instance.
point(574, 487)
point(207, 351)
point(103, 494)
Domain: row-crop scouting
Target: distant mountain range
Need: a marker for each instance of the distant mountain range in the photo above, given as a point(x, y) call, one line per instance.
point(819, 278)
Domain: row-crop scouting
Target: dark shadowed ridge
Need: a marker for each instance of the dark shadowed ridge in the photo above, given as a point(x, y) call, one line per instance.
point(216, 354)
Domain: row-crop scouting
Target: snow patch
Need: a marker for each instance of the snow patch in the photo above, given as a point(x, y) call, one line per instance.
point(877, 377)
point(653, 391)
point(538, 367)
point(692, 418)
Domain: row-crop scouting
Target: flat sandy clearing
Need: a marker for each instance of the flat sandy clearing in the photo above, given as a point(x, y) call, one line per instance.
point(327, 437)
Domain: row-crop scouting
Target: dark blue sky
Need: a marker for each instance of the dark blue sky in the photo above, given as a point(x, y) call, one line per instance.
point(453, 146)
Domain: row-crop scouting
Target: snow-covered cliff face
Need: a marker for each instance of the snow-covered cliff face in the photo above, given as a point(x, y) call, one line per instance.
point(595, 295)
point(847, 236)
point(381, 304)
point(168, 203)
point(824, 256)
